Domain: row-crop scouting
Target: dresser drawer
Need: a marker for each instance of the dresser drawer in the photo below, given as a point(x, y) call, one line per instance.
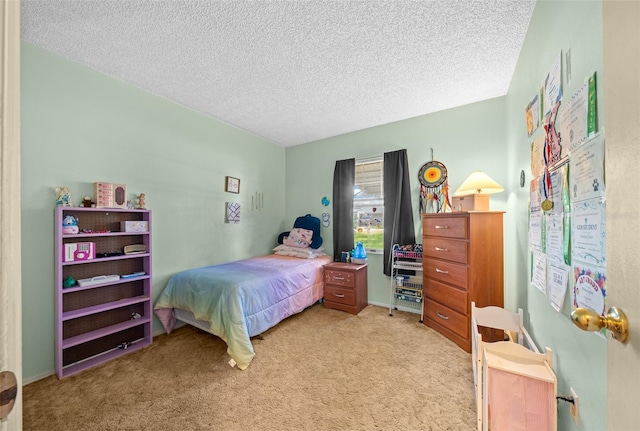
point(340, 278)
point(455, 299)
point(449, 272)
point(339, 294)
point(450, 227)
point(446, 317)
point(443, 248)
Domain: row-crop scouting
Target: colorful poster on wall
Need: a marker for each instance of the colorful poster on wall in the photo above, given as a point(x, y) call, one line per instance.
point(553, 85)
point(590, 288)
point(537, 156)
point(558, 277)
point(586, 175)
point(532, 114)
point(589, 235)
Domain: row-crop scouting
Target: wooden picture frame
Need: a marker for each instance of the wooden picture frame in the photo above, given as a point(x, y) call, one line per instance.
point(232, 185)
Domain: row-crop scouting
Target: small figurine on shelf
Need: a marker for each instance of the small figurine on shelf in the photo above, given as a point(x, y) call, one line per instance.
point(69, 282)
point(141, 203)
point(87, 202)
point(63, 196)
point(69, 224)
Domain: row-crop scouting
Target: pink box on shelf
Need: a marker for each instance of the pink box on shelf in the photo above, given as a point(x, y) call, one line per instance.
point(79, 251)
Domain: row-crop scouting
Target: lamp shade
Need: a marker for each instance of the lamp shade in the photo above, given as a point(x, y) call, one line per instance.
point(480, 183)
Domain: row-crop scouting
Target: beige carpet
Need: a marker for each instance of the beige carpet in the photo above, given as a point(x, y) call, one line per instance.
point(319, 370)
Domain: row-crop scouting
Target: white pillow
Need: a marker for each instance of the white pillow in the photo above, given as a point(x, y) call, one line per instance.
point(307, 250)
point(303, 253)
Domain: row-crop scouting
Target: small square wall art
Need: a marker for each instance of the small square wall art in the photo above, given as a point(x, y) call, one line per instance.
point(233, 212)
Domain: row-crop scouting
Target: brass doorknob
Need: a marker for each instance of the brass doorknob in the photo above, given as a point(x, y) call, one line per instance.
point(8, 393)
point(615, 321)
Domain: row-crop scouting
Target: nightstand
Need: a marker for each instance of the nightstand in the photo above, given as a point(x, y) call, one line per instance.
point(345, 286)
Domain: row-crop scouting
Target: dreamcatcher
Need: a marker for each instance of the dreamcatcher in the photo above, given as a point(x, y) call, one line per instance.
point(434, 187)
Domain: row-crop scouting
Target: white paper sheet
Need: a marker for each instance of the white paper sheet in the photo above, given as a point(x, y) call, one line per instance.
point(573, 119)
point(558, 276)
point(539, 271)
point(588, 233)
point(586, 174)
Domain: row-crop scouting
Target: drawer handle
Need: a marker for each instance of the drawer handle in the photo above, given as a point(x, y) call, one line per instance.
point(441, 249)
point(441, 271)
point(442, 316)
point(442, 227)
point(338, 278)
point(338, 295)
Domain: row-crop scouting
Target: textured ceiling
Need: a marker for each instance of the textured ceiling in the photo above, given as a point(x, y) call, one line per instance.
point(293, 72)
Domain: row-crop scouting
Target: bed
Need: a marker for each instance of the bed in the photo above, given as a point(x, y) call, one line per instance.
point(238, 300)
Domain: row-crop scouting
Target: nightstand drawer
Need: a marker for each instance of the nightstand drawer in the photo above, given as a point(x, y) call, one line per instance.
point(339, 294)
point(443, 248)
point(449, 272)
point(340, 278)
point(446, 317)
point(455, 299)
point(450, 227)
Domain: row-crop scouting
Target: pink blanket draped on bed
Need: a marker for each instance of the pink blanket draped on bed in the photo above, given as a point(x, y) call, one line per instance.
point(244, 298)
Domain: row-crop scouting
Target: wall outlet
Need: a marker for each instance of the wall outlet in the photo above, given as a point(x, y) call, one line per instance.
point(575, 407)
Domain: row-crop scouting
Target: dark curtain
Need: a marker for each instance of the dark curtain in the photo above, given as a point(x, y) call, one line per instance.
point(344, 176)
point(398, 212)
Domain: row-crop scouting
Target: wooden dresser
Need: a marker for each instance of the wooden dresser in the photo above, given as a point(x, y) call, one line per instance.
point(462, 262)
point(345, 286)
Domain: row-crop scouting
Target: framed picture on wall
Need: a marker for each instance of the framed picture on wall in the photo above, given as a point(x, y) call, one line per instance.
point(232, 185)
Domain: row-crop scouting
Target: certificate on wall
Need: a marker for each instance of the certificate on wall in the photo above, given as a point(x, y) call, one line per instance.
point(553, 85)
point(573, 119)
point(535, 230)
point(589, 288)
point(558, 277)
point(532, 114)
point(588, 233)
point(586, 174)
point(537, 156)
point(539, 271)
point(556, 177)
point(555, 238)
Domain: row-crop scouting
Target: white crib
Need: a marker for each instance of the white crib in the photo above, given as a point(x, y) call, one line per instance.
point(519, 347)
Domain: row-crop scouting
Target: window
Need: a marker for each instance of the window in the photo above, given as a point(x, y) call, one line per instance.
point(368, 204)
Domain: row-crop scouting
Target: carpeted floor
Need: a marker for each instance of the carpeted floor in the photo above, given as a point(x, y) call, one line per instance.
point(319, 370)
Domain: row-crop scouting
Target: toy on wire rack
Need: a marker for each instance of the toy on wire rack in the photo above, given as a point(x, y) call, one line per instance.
point(63, 196)
point(434, 187)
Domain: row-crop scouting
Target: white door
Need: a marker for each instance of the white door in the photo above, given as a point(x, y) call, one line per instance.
point(10, 267)
point(621, 37)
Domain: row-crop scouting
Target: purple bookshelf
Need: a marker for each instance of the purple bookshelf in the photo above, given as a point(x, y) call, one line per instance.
point(101, 320)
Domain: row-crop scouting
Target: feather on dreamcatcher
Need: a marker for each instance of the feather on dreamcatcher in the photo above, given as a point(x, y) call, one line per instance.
point(434, 187)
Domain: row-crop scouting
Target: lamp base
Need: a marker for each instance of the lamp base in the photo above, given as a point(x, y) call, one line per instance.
point(475, 202)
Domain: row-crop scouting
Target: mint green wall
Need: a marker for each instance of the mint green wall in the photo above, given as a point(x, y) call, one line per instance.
point(465, 139)
point(491, 136)
point(580, 358)
point(80, 126)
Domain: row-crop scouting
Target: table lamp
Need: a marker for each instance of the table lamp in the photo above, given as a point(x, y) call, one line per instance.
point(473, 194)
